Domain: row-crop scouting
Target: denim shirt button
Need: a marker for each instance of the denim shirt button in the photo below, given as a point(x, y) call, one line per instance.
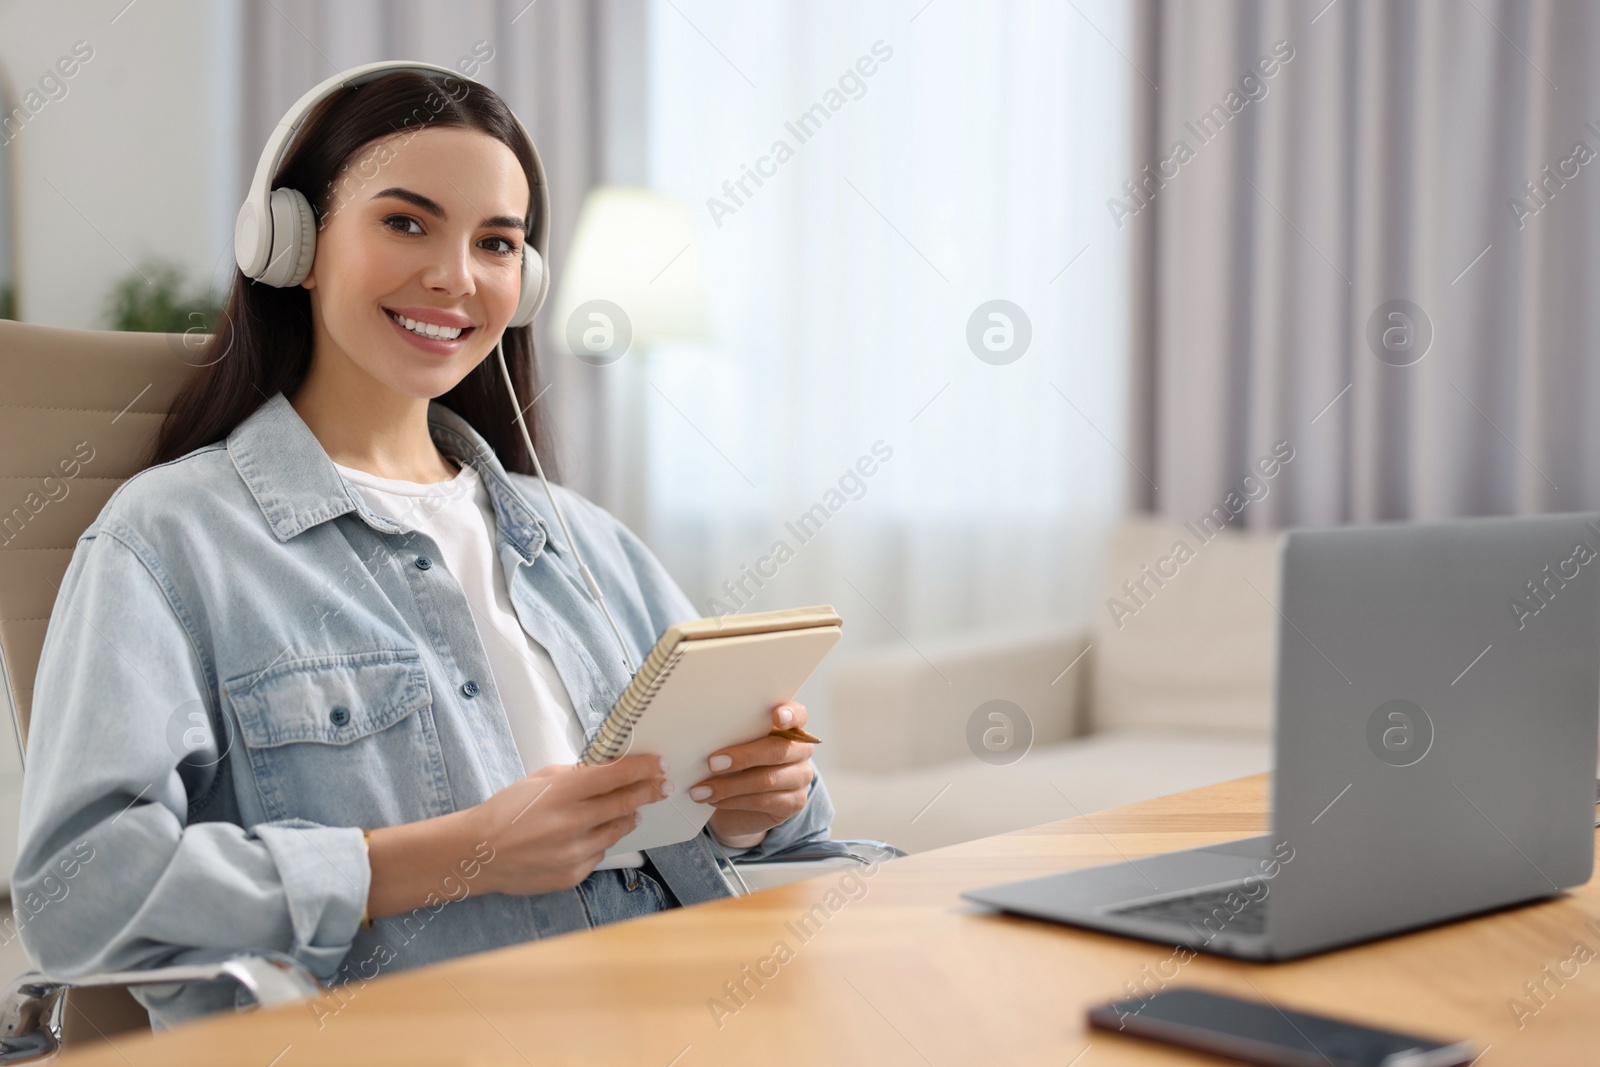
point(339, 716)
point(470, 688)
point(423, 563)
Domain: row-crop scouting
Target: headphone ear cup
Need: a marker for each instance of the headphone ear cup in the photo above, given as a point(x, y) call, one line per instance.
point(534, 284)
point(294, 239)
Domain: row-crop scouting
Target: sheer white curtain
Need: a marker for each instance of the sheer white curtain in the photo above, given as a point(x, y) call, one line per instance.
point(971, 164)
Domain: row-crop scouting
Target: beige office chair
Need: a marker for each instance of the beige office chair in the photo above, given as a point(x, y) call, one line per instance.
point(59, 388)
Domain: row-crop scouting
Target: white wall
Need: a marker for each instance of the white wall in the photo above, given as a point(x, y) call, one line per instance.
point(136, 160)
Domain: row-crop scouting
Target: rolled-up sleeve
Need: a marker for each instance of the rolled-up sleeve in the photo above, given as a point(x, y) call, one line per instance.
point(119, 865)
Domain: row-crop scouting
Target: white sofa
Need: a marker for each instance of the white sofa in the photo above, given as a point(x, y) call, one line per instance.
point(1176, 696)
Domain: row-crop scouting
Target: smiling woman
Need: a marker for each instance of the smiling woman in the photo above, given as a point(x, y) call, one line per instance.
point(318, 678)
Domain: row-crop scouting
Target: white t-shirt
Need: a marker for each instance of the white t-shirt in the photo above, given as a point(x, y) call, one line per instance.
point(459, 516)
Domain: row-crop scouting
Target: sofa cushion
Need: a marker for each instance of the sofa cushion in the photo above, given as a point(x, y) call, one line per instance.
point(894, 706)
point(1183, 635)
point(965, 799)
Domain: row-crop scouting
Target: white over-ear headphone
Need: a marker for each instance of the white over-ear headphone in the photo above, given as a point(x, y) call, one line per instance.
point(275, 235)
point(275, 238)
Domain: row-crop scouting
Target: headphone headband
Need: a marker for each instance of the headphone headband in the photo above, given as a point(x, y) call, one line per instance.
point(254, 243)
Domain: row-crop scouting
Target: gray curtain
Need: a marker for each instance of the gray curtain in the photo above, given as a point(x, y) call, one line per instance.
point(1382, 253)
point(574, 71)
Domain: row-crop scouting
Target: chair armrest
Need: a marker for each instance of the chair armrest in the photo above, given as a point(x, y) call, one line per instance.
point(270, 980)
point(30, 1008)
point(813, 859)
point(764, 875)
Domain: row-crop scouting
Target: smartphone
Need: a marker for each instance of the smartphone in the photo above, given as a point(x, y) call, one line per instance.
point(1253, 1032)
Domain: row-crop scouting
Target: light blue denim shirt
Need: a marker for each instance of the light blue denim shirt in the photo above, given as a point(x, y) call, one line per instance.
point(245, 665)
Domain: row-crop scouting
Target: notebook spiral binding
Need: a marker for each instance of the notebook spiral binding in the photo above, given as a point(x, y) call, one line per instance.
point(615, 732)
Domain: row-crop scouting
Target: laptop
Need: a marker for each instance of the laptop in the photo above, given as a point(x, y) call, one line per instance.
point(1437, 694)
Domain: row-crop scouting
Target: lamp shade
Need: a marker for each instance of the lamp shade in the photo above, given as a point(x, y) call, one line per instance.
point(635, 250)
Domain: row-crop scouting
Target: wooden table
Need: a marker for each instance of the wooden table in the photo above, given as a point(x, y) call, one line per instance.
point(900, 971)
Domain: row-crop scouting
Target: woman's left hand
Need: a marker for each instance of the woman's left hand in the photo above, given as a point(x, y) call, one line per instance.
point(757, 785)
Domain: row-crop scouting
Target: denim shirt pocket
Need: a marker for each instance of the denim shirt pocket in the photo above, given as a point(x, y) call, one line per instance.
point(343, 740)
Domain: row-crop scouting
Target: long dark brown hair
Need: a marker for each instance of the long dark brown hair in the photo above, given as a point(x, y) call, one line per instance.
point(262, 343)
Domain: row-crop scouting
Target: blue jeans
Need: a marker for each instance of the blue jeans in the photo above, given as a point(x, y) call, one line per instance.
point(624, 893)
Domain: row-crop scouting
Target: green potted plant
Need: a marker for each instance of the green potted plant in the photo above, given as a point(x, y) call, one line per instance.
point(158, 299)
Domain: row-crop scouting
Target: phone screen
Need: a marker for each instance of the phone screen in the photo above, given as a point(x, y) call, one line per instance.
point(1261, 1033)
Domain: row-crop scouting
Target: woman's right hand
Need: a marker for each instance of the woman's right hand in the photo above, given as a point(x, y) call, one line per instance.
point(550, 829)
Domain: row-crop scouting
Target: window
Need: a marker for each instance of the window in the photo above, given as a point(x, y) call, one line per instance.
point(937, 158)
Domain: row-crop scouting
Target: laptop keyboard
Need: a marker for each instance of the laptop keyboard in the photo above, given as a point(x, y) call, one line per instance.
point(1209, 911)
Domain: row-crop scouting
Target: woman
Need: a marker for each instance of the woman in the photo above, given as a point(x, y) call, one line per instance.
point(316, 680)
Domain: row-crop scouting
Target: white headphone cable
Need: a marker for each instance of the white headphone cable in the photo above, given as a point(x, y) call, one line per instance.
point(583, 569)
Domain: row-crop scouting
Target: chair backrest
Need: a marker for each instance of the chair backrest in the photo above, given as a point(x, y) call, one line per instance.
point(81, 410)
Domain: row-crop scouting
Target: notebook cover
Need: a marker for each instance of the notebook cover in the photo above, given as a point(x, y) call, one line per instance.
point(717, 691)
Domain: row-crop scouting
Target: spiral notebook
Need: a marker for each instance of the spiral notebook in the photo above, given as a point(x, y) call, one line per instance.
point(707, 684)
